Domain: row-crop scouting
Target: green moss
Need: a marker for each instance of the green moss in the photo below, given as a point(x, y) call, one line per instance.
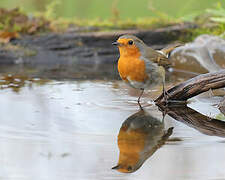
point(191, 34)
point(220, 117)
point(16, 21)
point(112, 24)
point(211, 22)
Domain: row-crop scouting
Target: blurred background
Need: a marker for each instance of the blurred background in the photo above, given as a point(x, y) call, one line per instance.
point(124, 9)
point(63, 102)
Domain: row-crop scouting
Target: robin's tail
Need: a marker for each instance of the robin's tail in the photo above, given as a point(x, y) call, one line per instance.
point(167, 50)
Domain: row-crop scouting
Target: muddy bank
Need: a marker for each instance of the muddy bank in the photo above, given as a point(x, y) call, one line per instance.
point(77, 54)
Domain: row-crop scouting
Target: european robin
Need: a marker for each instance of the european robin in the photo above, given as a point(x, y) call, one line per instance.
point(141, 66)
point(140, 136)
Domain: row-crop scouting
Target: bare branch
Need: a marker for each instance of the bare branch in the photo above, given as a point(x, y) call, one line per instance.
point(194, 86)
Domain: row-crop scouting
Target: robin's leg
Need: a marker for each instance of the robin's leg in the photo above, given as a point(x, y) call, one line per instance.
point(139, 98)
point(164, 111)
point(165, 94)
point(162, 72)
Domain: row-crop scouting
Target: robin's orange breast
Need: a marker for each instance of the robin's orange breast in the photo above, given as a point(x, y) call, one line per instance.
point(131, 143)
point(133, 69)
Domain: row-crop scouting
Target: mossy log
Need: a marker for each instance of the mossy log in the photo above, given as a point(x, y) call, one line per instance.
point(77, 54)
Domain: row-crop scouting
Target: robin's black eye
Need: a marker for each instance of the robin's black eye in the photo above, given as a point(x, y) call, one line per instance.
point(130, 42)
point(129, 168)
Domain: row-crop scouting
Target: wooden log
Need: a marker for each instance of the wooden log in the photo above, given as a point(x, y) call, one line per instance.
point(192, 87)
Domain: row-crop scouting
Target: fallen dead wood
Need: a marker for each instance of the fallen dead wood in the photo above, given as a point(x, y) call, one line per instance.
point(79, 53)
point(193, 87)
point(198, 121)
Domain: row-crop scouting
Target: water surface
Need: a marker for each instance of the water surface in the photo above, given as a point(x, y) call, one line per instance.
point(68, 130)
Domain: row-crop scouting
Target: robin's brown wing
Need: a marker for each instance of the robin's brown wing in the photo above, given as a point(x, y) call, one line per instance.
point(157, 57)
point(167, 50)
point(161, 57)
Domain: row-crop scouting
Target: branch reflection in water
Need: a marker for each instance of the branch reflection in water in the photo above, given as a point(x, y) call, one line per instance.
point(204, 124)
point(139, 138)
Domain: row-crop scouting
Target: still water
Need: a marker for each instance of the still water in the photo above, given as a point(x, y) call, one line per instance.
point(56, 130)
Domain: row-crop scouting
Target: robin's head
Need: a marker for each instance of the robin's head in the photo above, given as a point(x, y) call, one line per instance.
point(130, 45)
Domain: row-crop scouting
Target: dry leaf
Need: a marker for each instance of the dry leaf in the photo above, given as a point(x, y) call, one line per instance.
point(5, 37)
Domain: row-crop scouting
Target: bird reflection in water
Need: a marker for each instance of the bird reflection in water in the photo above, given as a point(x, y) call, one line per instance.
point(139, 138)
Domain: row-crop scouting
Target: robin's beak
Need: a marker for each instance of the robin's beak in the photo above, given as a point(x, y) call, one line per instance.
point(116, 167)
point(116, 43)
